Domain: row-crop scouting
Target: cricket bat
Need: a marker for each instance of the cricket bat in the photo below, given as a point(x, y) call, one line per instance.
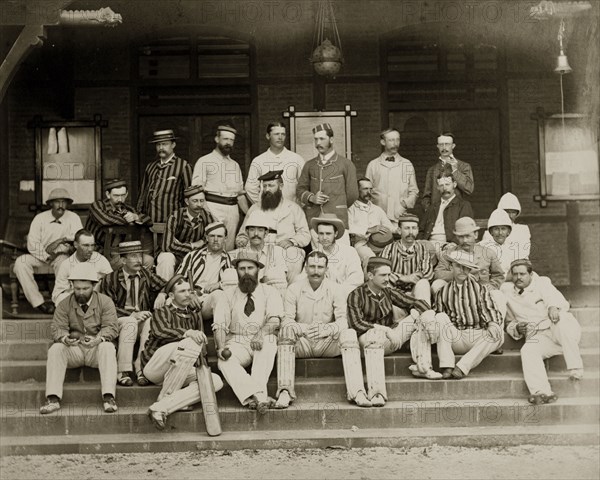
point(208, 397)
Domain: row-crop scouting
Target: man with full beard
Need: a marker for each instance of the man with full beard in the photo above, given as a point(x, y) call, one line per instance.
point(222, 180)
point(245, 322)
point(287, 218)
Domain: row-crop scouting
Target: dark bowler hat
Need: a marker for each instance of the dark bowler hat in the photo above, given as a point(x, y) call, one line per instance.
point(378, 241)
point(116, 183)
point(323, 127)
point(273, 175)
point(226, 128)
point(193, 190)
point(174, 281)
point(134, 246)
point(408, 217)
point(163, 136)
point(379, 262)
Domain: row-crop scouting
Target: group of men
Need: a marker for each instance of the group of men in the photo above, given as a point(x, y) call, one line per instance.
point(324, 264)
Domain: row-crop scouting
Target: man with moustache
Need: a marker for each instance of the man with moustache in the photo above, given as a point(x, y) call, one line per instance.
point(538, 312)
point(83, 329)
point(277, 157)
point(461, 172)
point(135, 291)
point(222, 180)
point(393, 177)
point(411, 262)
point(207, 267)
point(48, 243)
point(499, 239)
point(85, 252)
point(327, 183)
point(184, 231)
point(173, 347)
point(287, 218)
point(364, 219)
point(164, 180)
point(315, 326)
point(246, 320)
point(112, 210)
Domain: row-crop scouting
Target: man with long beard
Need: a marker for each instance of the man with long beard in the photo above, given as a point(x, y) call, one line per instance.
point(287, 218)
point(246, 320)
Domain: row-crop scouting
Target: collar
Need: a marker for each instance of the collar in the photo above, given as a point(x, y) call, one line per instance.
point(451, 157)
point(327, 157)
point(365, 207)
point(371, 293)
point(276, 155)
point(220, 155)
point(446, 202)
point(383, 156)
point(168, 160)
point(189, 216)
point(404, 249)
point(127, 275)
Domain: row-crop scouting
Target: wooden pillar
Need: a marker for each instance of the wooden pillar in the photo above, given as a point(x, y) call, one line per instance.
point(573, 244)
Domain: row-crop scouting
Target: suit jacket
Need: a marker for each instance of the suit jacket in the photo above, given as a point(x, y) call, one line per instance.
point(337, 179)
point(457, 208)
point(463, 176)
point(113, 285)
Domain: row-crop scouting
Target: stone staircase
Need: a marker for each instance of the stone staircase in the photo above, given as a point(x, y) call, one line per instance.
point(487, 408)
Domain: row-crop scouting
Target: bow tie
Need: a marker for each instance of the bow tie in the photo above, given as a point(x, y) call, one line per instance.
point(389, 159)
point(56, 221)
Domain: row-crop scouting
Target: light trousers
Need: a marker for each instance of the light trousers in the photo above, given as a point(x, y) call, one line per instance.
point(25, 267)
point(129, 331)
point(165, 265)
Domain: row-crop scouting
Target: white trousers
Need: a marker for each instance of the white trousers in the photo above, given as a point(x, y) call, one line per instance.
point(165, 265)
point(129, 331)
point(230, 216)
point(61, 357)
point(561, 338)
point(246, 385)
point(25, 267)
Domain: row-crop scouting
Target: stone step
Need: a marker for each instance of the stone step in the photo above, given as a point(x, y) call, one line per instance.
point(395, 365)
point(30, 395)
point(424, 436)
point(37, 349)
point(302, 415)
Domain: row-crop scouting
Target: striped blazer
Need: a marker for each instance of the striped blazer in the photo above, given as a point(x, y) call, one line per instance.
point(113, 285)
point(407, 263)
point(180, 231)
point(196, 261)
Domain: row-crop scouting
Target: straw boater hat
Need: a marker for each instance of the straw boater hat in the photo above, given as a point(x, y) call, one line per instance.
point(193, 190)
point(134, 246)
point(328, 219)
point(464, 226)
point(116, 183)
point(59, 194)
point(249, 255)
point(462, 258)
point(163, 136)
point(84, 271)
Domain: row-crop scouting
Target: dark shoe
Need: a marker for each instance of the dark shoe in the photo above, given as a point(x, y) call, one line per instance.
point(46, 308)
point(263, 407)
point(550, 398)
point(142, 381)
point(535, 399)
point(159, 419)
point(500, 351)
point(124, 379)
point(447, 373)
point(457, 373)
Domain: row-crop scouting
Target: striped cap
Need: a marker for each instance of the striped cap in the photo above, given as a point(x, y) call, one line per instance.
point(116, 183)
point(174, 281)
point(213, 226)
point(323, 127)
point(162, 136)
point(226, 128)
point(408, 217)
point(193, 190)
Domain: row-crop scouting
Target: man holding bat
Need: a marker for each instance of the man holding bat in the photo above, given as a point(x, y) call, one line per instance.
point(171, 352)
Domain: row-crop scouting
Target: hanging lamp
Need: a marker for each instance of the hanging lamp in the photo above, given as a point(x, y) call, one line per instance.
point(327, 57)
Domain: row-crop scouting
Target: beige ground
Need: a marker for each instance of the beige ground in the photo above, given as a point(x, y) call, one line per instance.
point(526, 462)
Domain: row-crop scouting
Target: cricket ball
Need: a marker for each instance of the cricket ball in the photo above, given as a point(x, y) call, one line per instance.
point(75, 335)
point(226, 353)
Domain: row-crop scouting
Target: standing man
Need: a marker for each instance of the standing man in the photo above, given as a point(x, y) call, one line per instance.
point(83, 329)
point(184, 231)
point(246, 319)
point(85, 252)
point(207, 267)
point(277, 157)
point(173, 347)
point(461, 172)
point(364, 219)
point(164, 180)
point(540, 313)
point(223, 184)
point(375, 311)
point(393, 177)
point(315, 326)
point(287, 218)
point(135, 292)
point(468, 322)
point(328, 181)
point(411, 263)
point(48, 244)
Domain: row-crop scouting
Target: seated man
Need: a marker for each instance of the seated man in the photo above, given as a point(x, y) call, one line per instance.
point(287, 218)
point(468, 321)
point(83, 329)
point(412, 265)
point(184, 231)
point(246, 319)
point(113, 210)
point(134, 291)
point(315, 326)
point(438, 223)
point(344, 267)
point(374, 311)
point(207, 267)
point(540, 313)
point(172, 349)
point(498, 238)
point(262, 243)
point(47, 243)
point(364, 219)
point(84, 253)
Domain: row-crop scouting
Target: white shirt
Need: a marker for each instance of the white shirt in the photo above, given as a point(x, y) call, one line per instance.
point(62, 288)
point(290, 162)
point(362, 216)
point(45, 229)
point(438, 228)
point(218, 174)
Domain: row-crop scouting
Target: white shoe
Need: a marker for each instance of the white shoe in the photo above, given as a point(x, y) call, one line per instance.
point(284, 400)
point(429, 374)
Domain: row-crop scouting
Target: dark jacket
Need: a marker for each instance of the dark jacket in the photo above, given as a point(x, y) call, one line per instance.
point(457, 208)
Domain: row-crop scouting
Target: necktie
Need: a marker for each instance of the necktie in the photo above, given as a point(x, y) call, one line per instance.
point(389, 159)
point(249, 308)
point(132, 291)
point(84, 307)
point(521, 291)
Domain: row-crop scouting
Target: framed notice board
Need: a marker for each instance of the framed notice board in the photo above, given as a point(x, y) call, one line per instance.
point(568, 148)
